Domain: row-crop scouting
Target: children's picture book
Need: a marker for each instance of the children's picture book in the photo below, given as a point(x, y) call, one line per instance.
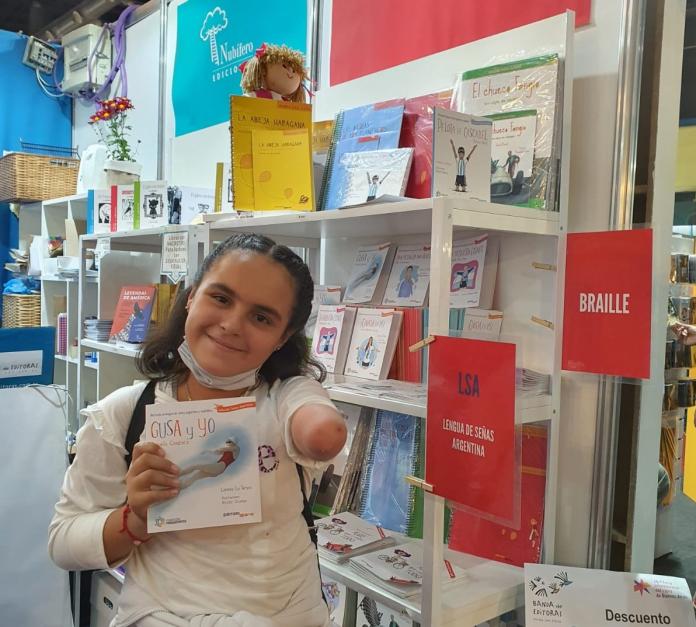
point(282, 166)
point(372, 345)
point(98, 211)
point(369, 274)
point(461, 155)
point(527, 84)
point(375, 173)
point(332, 334)
point(409, 277)
point(122, 208)
point(482, 323)
point(214, 444)
point(370, 613)
point(151, 208)
point(323, 295)
point(345, 535)
point(369, 127)
point(223, 187)
point(259, 113)
point(466, 276)
point(512, 157)
point(335, 597)
point(186, 204)
point(417, 133)
point(132, 314)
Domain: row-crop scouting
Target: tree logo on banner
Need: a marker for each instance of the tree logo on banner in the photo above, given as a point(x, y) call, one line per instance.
point(215, 21)
point(223, 55)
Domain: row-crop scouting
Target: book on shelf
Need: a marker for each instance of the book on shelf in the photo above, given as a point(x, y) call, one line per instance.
point(151, 208)
point(370, 612)
point(417, 133)
point(409, 277)
point(406, 365)
point(132, 314)
point(527, 84)
point(165, 297)
point(532, 382)
point(368, 127)
point(473, 272)
point(223, 187)
point(323, 295)
point(512, 157)
point(98, 210)
point(385, 389)
point(214, 443)
point(282, 169)
point(369, 274)
point(188, 204)
point(399, 569)
point(122, 208)
point(482, 324)
point(490, 540)
point(344, 535)
point(386, 498)
point(322, 132)
point(332, 334)
point(259, 113)
point(335, 597)
point(374, 173)
point(373, 342)
point(461, 155)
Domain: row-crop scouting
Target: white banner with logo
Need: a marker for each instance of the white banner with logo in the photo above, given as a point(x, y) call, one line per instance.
point(578, 597)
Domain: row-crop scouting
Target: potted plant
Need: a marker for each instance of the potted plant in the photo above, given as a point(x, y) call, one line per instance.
point(111, 124)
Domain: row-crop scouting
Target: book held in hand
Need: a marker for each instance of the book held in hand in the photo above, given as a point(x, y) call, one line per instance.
point(332, 334)
point(132, 314)
point(372, 345)
point(345, 535)
point(368, 276)
point(214, 444)
point(409, 277)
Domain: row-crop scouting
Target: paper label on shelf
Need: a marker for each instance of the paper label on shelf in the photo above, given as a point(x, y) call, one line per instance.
point(175, 255)
point(558, 595)
point(102, 247)
point(608, 295)
point(470, 443)
point(20, 364)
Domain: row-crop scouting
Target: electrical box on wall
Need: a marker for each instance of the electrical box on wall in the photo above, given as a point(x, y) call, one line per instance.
point(85, 51)
point(39, 55)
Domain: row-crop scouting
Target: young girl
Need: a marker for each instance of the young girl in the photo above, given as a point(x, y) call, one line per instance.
point(238, 330)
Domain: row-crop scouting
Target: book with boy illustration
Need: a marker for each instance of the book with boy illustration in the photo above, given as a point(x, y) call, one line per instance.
point(214, 443)
point(331, 337)
point(369, 274)
point(369, 175)
point(122, 208)
point(466, 276)
point(132, 314)
point(409, 277)
point(461, 155)
point(150, 199)
point(366, 128)
point(512, 157)
point(98, 210)
point(345, 535)
point(527, 84)
point(372, 345)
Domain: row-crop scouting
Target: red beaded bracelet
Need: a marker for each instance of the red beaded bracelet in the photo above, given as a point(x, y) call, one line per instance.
point(124, 526)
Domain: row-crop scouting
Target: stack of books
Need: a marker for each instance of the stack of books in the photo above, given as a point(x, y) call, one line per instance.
point(98, 330)
point(345, 535)
point(532, 383)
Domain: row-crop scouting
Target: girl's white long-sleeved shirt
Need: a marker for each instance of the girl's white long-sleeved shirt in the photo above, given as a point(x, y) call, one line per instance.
point(268, 569)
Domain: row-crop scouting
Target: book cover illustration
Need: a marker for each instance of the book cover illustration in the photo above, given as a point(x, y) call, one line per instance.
point(466, 276)
point(409, 277)
point(461, 155)
point(122, 208)
point(323, 295)
point(132, 314)
point(214, 443)
point(367, 269)
point(345, 534)
point(282, 170)
point(512, 157)
point(99, 210)
point(188, 203)
point(520, 86)
point(373, 342)
point(151, 204)
point(371, 174)
point(373, 614)
point(260, 113)
point(331, 336)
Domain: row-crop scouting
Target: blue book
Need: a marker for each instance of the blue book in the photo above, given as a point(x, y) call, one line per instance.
point(387, 500)
point(370, 127)
point(26, 356)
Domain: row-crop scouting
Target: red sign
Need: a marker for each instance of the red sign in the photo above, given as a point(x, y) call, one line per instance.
point(608, 298)
point(368, 35)
point(470, 442)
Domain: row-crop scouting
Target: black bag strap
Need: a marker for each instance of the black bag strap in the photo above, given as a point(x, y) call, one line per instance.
point(137, 423)
point(307, 508)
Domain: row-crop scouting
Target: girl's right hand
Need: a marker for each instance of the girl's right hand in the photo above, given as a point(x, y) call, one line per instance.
point(151, 478)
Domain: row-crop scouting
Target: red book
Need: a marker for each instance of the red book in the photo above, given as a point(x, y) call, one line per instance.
point(113, 218)
point(417, 133)
point(132, 314)
point(477, 536)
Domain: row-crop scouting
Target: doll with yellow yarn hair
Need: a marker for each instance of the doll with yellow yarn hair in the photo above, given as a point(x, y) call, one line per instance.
point(275, 72)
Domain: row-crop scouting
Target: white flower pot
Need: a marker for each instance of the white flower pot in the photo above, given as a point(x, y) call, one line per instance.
point(121, 172)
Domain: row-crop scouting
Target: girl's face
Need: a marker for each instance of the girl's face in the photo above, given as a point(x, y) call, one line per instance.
point(239, 314)
point(282, 78)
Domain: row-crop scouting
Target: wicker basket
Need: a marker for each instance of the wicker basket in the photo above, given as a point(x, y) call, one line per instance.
point(25, 177)
point(21, 310)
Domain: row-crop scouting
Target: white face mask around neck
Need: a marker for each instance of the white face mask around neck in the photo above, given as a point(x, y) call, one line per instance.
point(235, 382)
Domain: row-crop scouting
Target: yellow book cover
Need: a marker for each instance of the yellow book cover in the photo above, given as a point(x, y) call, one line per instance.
point(261, 113)
point(282, 170)
point(322, 133)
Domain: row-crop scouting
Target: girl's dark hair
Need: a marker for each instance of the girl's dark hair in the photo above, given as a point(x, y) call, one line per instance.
point(159, 359)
